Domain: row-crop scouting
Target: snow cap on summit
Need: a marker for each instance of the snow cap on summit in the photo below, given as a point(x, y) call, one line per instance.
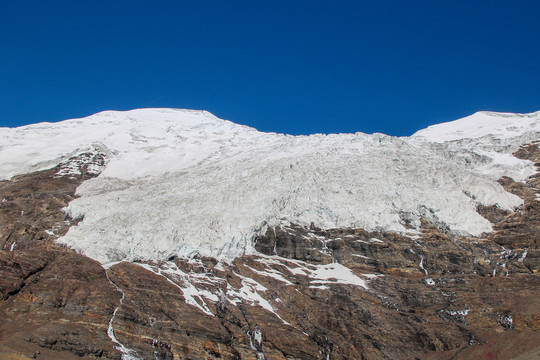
point(483, 123)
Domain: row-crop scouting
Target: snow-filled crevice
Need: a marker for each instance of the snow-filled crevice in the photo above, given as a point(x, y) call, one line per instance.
point(255, 343)
point(421, 265)
point(127, 354)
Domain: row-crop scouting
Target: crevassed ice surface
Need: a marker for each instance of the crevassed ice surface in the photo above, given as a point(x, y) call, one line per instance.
point(183, 182)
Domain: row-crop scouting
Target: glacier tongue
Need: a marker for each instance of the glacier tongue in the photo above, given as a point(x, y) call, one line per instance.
point(182, 182)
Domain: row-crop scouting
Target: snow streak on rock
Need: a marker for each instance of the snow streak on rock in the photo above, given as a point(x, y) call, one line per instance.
point(240, 284)
point(127, 354)
point(189, 291)
point(321, 276)
point(421, 265)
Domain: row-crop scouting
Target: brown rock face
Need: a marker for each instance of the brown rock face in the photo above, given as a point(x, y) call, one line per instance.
point(522, 228)
point(56, 303)
point(309, 293)
point(31, 205)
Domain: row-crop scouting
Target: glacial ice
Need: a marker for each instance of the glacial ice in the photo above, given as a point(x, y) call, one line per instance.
point(183, 182)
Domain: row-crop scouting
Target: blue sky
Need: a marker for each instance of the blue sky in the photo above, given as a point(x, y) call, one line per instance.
point(297, 67)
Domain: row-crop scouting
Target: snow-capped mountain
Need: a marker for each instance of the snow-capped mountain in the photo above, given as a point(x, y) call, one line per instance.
point(216, 241)
point(183, 182)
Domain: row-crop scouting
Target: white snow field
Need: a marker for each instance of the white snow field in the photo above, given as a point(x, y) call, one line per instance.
point(184, 182)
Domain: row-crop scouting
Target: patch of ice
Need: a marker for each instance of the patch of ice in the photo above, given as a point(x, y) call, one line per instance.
point(506, 321)
point(320, 275)
point(336, 274)
point(523, 256)
point(257, 336)
point(458, 312)
point(189, 291)
point(193, 287)
point(421, 264)
point(250, 293)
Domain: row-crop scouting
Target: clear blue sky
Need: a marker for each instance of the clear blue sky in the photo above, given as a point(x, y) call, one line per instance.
point(297, 67)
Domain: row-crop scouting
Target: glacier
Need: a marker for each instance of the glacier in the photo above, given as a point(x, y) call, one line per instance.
point(185, 183)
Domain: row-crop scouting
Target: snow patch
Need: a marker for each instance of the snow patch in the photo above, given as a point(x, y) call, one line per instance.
point(199, 289)
point(523, 256)
point(250, 293)
point(506, 321)
point(189, 291)
point(336, 274)
point(320, 275)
